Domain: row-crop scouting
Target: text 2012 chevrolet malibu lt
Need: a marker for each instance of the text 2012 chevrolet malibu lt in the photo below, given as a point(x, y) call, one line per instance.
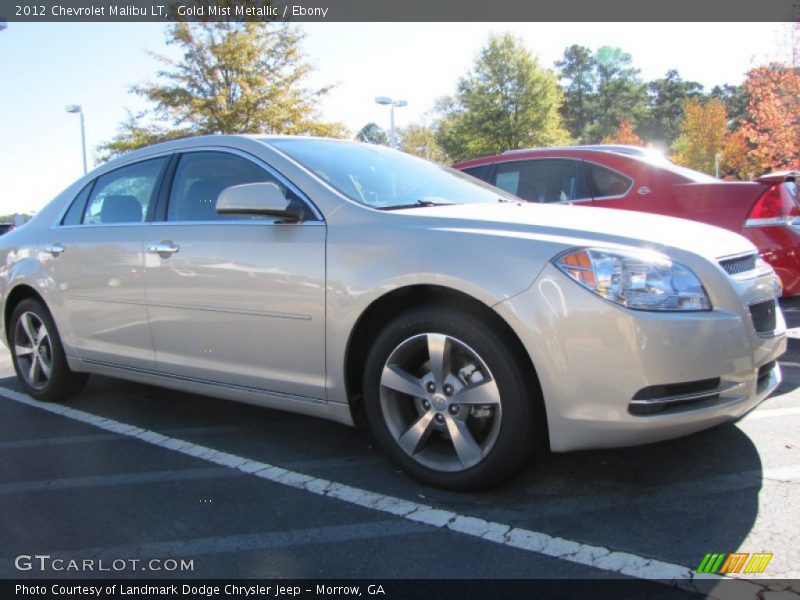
point(333, 279)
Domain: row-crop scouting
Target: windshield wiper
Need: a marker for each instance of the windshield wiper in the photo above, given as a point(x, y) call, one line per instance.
point(421, 202)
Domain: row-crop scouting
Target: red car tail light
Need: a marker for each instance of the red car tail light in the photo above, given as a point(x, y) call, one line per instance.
point(775, 207)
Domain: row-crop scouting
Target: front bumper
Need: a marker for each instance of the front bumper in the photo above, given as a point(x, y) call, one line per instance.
point(592, 357)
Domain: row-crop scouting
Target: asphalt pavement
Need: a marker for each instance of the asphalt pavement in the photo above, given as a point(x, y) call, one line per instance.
point(130, 472)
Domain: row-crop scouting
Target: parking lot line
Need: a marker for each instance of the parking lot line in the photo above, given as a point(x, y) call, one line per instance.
point(596, 557)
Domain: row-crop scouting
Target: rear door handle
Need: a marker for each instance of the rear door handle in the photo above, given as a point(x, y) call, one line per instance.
point(55, 249)
point(164, 249)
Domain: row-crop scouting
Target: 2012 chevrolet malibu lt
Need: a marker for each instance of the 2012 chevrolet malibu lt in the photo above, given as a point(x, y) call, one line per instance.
point(338, 279)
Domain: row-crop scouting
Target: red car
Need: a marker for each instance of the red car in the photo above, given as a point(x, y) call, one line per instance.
point(766, 211)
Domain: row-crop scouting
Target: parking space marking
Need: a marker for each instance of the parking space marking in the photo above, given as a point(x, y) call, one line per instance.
point(47, 485)
point(596, 557)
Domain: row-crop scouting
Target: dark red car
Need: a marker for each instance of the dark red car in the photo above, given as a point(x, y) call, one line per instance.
point(766, 211)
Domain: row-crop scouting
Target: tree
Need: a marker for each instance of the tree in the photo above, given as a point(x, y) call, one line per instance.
point(578, 69)
point(421, 141)
point(372, 133)
point(736, 99)
point(506, 101)
point(661, 123)
point(233, 77)
point(620, 93)
point(773, 125)
point(704, 135)
point(624, 135)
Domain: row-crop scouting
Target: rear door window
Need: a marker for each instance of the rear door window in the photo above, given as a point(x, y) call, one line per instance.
point(75, 212)
point(124, 195)
point(607, 183)
point(543, 180)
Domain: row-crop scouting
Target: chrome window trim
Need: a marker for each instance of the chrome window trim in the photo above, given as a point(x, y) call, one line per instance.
point(261, 164)
point(516, 160)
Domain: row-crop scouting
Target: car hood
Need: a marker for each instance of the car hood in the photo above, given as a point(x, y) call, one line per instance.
point(582, 225)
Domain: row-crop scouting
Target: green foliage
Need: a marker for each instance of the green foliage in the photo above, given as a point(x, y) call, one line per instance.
point(372, 133)
point(233, 77)
point(421, 141)
point(736, 99)
point(506, 101)
point(578, 69)
point(601, 90)
point(661, 124)
point(620, 92)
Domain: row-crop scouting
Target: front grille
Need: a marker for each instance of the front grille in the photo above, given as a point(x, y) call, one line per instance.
point(659, 398)
point(739, 265)
point(764, 315)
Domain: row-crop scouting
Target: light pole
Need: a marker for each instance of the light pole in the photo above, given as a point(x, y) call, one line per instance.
point(717, 159)
point(391, 103)
point(76, 108)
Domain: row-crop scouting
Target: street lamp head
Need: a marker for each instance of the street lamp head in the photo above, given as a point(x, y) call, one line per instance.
point(73, 108)
point(383, 100)
point(399, 103)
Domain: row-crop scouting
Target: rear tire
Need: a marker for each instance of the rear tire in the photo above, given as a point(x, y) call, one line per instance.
point(449, 401)
point(38, 355)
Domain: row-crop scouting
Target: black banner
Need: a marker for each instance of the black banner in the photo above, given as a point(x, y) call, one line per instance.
point(394, 11)
point(391, 589)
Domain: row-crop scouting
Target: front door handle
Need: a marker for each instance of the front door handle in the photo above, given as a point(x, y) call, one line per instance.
point(164, 249)
point(55, 249)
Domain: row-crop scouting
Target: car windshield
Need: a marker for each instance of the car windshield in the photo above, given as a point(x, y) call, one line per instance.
point(383, 178)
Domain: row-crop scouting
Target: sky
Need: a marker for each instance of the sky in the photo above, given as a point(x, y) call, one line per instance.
point(46, 66)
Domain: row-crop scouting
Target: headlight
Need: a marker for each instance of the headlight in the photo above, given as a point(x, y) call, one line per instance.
point(637, 280)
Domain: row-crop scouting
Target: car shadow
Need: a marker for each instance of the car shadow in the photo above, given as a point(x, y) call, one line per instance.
point(673, 501)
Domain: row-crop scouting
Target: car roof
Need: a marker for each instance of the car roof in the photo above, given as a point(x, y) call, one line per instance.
point(634, 152)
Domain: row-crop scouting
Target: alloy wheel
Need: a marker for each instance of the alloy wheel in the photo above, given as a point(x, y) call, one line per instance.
point(440, 402)
point(33, 350)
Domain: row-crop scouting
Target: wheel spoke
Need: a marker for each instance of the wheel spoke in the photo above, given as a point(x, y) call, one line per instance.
point(41, 335)
point(467, 449)
point(45, 366)
point(23, 350)
point(485, 392)
point(33, 370)
point(416, 435)
point(439, 353)
point(28, 328)
point(395, 378)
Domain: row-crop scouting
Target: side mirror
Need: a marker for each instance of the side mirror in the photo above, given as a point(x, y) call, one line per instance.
point(263, 198)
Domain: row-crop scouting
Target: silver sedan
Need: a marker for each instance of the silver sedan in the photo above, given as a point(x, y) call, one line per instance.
point(344, 280)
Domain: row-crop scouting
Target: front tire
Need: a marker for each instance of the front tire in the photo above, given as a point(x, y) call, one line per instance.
point(38, 355)
point(448, 399)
